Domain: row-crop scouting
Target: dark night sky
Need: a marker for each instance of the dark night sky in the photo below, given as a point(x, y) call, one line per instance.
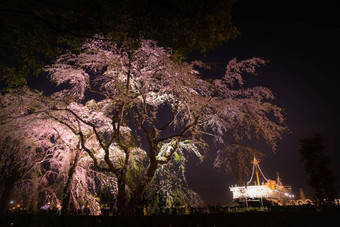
point(301, 43)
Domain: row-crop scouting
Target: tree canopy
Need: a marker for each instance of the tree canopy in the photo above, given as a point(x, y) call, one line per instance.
point(136, 112)
point(35, 32)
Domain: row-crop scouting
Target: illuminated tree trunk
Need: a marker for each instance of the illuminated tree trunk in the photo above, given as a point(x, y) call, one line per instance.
point(137, 195)
point(6, 194)
point(68, 186)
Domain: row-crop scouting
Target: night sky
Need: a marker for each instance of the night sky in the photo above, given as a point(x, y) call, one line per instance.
point(301, 43)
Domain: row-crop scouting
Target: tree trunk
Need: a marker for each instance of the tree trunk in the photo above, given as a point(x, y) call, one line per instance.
point(6, 194)
point(34, 195)
point(121, 197)
point(67, 189)
point(137, 196)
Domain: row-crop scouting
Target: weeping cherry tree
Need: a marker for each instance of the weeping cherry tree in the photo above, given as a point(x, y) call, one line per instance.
point(149, 108)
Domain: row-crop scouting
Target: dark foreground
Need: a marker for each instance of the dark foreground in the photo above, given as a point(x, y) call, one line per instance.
point(277, 218)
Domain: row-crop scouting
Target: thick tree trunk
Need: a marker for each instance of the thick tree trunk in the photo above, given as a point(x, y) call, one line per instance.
point(6, 194)
point(67, 189)
point(137, 195)
point(121, 197)
point(66, 200)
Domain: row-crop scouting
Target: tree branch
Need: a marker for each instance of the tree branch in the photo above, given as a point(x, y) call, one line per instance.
point(180, 135)
point(170, 121)
point(168, 157)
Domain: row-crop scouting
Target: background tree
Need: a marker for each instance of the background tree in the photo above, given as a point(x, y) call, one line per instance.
point(34, 32)
point(317, 165)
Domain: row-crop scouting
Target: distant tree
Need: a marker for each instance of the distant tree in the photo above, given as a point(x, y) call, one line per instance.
point(35, 32)
point(317, 165)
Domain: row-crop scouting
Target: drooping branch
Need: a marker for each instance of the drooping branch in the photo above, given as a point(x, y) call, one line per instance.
point(167, 124)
